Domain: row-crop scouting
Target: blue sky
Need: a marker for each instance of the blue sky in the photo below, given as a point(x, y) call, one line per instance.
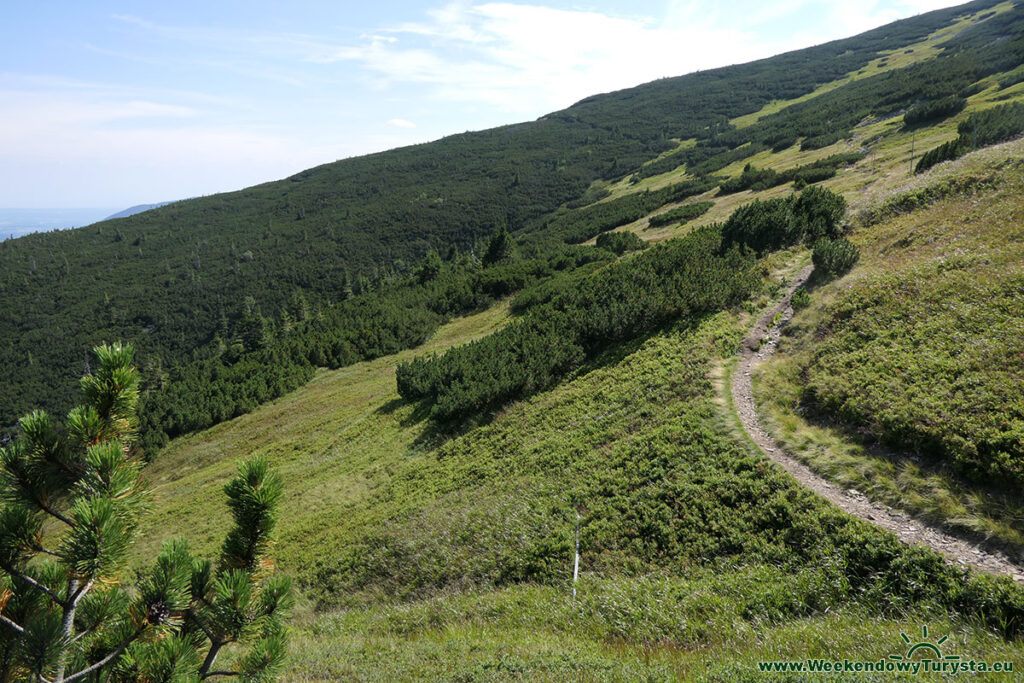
point(106, 103)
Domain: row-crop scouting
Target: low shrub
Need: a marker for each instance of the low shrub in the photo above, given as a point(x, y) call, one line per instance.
point(834, 257)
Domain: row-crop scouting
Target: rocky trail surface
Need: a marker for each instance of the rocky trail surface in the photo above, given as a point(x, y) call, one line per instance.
point(759, 345)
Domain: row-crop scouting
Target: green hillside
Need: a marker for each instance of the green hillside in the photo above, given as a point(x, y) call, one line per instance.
point(472, 359)
point(450, 555)
point(176, 280)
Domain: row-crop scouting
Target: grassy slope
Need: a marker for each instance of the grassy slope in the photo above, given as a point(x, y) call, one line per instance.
point(690, 560)
point(937, 321)
point(534, 633)
point(334, 440)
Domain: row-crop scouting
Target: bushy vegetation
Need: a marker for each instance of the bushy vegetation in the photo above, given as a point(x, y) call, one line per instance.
point(801, 299)
point(583, 224)
point(773, 224)
point(924, 355)
point(684, 277)
point(687, 277)
point(682, 214)
point(987, 48)
point(936, 110)
point(285, 354)
point(762, 179)
point(620, 242)
point(1011, 79)
point(833, 258)
point(980, 129)
point(751, 179)
point(165, 278)
point(702, 160)
point(664, 489)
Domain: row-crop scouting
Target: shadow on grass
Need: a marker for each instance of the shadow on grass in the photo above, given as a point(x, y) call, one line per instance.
point(987, 499)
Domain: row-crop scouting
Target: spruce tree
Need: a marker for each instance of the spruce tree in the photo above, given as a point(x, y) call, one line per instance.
point(71, 497)
point(499, 248)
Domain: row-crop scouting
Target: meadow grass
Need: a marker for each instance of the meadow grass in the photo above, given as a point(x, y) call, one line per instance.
point(425, 555)
point(703, 627)
point(334, 440)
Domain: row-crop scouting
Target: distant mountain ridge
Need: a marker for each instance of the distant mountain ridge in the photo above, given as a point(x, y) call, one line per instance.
point(138, 208)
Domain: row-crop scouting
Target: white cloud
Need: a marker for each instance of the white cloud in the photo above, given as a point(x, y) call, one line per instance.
point(259, 104)
point(530, 59)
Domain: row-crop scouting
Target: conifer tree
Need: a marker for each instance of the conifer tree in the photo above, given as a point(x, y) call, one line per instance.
point(71, 497)
point(500, 246)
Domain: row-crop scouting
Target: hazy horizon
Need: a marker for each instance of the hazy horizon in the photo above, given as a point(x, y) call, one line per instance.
point(19, 221)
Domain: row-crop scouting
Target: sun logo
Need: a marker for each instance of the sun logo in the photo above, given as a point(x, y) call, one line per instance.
point(929, 648)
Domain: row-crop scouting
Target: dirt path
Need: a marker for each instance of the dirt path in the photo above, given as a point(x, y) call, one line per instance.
point(909, 530)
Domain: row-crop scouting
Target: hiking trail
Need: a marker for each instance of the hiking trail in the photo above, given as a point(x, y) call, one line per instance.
point(758, 346)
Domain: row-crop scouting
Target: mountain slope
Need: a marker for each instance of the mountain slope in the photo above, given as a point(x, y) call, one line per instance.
point(445, 548)
point(452, 553)
point(167, 278)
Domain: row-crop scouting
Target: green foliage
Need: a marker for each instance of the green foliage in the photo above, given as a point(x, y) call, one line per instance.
point(829, 117)
point(980, 129)
point(499, 248)
point(544, 290)
point(430, 268)
point(801, 299)
point(751, 179)
point(394, 317)
point(682, 214)
point(955, 403)
point(370, 218)
point(666, 491)
point(936, 110)
point(774, 224)
point(833, 258)
point(65, 614)
point(1011, 79)
point(583, 224)
point(924, 353)
point(620, 242)
point(685, 277)
point(947, 151)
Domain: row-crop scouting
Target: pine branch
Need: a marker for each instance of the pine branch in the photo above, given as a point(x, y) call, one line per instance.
point(190, 613)
point(35, 584)
point(211, 658)
point(12, 625)
point(114, 654)
point(80, 593)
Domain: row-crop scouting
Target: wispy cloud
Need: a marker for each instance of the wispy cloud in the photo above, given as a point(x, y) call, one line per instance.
point(206, 108)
